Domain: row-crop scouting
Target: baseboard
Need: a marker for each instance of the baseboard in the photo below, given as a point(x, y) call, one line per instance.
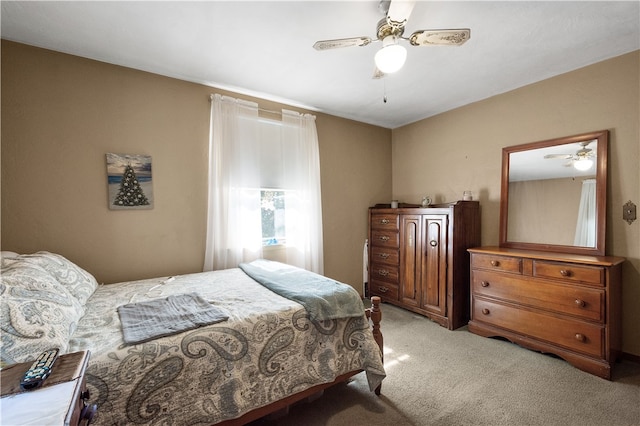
point(631, 357)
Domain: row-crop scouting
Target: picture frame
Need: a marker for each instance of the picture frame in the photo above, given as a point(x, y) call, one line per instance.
point(129, 181)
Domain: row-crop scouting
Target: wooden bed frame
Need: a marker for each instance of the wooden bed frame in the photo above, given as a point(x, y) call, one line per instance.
point(374, 314)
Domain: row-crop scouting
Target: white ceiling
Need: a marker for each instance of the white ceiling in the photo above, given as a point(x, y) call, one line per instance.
point(264, 48)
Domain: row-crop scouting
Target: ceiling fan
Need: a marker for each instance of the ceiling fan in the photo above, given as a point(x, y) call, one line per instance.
point(581, 160)
point(390, 30)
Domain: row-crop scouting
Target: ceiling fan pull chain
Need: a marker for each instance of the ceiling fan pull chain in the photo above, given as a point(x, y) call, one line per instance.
point(384, 90)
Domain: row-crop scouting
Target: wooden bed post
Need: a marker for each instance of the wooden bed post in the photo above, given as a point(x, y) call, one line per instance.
point(375, 315)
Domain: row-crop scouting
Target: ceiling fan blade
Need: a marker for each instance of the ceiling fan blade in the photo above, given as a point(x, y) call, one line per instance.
point(341, 42)
point(440, 37)
point(563, 156)
point(400, 10)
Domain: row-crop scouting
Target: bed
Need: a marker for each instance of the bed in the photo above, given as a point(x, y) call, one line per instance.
point(266, 352)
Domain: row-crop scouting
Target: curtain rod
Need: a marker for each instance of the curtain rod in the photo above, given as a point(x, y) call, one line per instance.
point(269, 111)
point(259, 109)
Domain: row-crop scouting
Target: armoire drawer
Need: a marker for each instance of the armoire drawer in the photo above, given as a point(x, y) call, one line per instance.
point(384, 238)
point(384, 221)
point(496, 263)
point(582, 302)
point(385, 255)
point(593, 275)
point(383, 272)
point(384, 289)
point(579, 336)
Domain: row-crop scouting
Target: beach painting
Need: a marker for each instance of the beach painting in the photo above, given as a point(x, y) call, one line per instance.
point(130, 183)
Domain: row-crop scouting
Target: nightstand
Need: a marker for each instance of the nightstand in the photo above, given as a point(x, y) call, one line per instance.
point(61, 400)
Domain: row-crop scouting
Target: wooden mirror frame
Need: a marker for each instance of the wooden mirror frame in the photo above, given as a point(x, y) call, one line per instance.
point(602, 137)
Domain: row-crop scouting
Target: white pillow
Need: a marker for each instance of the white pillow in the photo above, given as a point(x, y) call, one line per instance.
point(37, 313)
point(79, 282)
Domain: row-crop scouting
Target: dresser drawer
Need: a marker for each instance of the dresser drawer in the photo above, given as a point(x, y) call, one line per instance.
point(384, 289)
point(569, 272)
point(382, 238)
point(385, 221)
point(385, 255)
point(575, 335)
point(582, 302)
point(496, 263)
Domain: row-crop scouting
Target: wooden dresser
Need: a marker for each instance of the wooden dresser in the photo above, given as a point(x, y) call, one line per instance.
point(564, 304)
point(418, 258)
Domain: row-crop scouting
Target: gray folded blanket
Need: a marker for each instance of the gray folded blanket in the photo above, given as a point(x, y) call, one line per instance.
point(144, 321)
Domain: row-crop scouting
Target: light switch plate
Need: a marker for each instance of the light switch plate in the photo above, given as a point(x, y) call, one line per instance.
point(629, 212)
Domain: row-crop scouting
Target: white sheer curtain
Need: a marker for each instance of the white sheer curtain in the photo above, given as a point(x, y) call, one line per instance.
point(233, 219)
point(301, 174)
point(248, 154)
point(586, 225)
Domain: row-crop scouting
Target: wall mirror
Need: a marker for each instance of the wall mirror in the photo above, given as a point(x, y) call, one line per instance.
point(553, 195)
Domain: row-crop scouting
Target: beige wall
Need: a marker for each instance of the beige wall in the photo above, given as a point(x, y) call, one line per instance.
point(461, 149)
point(61, 114)
point(544, 211)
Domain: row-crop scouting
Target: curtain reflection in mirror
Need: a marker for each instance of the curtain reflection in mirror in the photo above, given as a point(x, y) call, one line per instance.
point(586, 226)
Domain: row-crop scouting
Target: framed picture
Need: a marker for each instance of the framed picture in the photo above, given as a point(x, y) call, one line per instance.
point(130, 182)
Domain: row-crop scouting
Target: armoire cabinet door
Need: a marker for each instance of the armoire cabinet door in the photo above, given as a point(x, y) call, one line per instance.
point(423, 251)
point(433, 264)
point(410, 253)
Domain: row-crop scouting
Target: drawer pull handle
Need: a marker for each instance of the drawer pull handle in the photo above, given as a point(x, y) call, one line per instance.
point(384, 255)
point(433, 243)
point(565, 273)
point(383, 289)
point(384, 221)
point(383, 272)
point(384, 238)
point(485, 311)
point(495, 263)
point(580, 337)
point(580, 303)
point(484, 284)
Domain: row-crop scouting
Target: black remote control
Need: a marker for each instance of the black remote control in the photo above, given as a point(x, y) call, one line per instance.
point(39, 370)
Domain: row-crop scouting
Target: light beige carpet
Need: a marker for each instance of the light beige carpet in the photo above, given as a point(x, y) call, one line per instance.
point(441, 377)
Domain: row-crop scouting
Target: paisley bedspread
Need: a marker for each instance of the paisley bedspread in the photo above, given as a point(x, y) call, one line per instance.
point(267, 350)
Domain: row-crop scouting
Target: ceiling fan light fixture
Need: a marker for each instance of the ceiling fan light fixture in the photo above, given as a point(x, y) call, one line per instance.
point(583, 164)
point(391, 57)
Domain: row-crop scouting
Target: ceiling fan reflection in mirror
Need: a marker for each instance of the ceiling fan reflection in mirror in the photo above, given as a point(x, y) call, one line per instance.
point(390, 29)
point(582, 159)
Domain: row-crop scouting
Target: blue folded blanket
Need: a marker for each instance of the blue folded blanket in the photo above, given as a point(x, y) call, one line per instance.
point(322, 297)
point(155, 318)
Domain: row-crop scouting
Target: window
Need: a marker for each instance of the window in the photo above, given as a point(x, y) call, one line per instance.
point(264, 187)
point(273, 213)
